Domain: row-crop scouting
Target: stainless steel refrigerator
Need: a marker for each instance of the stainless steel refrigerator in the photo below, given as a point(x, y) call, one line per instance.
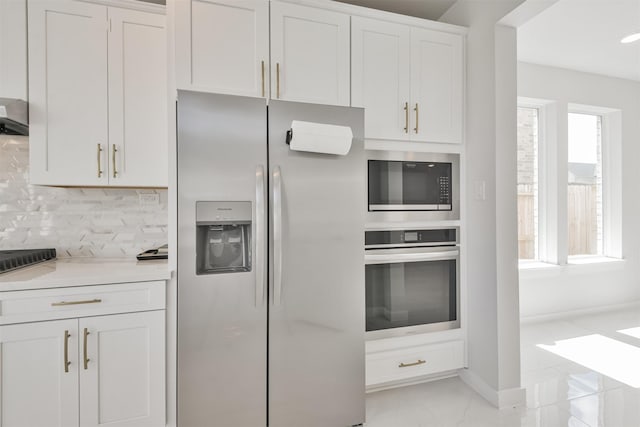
point(270, 267)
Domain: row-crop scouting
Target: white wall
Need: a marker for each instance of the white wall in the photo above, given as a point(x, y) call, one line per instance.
point(552, 291)
point(491, 236)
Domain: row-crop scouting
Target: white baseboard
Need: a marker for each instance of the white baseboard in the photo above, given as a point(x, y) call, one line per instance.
point(580, 312)
point(411, 381)
point(499, 398)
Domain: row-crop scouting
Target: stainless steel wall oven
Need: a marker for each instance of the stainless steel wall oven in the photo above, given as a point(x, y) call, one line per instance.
point(411, 281)
point(413, 186)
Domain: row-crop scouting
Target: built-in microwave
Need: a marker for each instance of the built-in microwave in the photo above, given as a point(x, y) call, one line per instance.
point(411, 281)
point(409, 186)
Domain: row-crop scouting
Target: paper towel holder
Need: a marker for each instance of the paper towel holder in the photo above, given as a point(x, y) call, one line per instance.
point(289, 136)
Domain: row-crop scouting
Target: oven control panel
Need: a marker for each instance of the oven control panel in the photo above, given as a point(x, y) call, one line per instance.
point(377, 239)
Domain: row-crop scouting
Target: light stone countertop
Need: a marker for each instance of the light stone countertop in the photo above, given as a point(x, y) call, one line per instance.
point(65, 272)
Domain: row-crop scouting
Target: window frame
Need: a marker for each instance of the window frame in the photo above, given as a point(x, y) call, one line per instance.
point(540, 107)
point(553, 171)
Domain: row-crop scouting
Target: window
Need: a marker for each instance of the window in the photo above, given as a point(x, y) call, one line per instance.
point(569, 180)
point(584, 189)
point(527, 183)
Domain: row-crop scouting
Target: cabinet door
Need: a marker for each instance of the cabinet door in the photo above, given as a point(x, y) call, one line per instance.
point(36, 389)
point(436, 86)
point(223, 46)
point(137, 99)
point(13, 49)
point(380, 76)
point(67, 92)
point(309, 54)
point(122, 370)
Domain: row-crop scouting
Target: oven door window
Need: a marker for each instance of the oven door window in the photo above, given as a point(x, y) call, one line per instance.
point(410, 294)
point(403, 185)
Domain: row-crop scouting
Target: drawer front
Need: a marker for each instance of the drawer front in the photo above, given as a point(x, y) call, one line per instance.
point(397, 365)
point(80, 301)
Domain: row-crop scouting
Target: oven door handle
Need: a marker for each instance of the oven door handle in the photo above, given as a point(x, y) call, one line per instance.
point(372, 258)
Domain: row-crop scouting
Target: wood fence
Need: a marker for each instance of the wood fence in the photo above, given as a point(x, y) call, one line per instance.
point(582, 215)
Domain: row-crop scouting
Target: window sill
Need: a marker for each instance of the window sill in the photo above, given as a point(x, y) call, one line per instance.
point(592, 259)
point(536, 265)
point(577, 265)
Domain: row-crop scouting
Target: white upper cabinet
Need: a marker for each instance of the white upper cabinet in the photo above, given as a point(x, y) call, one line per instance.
point(409, 80)
point(223, 46)
point(68, 92)
point(309, 54)
point(263, 49)
point(436, 86)
point(381, 72)
point(137, 99)
point(97, 95)
point(13, 49)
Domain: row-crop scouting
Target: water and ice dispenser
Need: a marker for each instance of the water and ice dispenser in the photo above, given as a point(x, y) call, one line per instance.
point(223, 237)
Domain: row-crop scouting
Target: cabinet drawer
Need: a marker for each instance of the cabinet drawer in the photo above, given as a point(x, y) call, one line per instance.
point(61, 303)
point(412, 362)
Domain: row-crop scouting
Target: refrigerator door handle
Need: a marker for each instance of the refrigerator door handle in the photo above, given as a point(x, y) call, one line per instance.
point(277, 235)
point(260, 233)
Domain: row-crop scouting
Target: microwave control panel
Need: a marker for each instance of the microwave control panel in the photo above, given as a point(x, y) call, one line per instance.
point(445, 196)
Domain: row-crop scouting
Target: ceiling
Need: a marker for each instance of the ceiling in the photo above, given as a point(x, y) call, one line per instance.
point(427, 9)
point(584, 35)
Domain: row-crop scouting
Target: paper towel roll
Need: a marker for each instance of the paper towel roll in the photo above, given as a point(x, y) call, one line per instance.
point(320, 138)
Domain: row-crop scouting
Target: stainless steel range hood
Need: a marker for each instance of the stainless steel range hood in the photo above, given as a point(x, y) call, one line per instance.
point(14, 116)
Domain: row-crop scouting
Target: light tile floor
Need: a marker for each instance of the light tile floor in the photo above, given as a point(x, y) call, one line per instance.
point(560, 392)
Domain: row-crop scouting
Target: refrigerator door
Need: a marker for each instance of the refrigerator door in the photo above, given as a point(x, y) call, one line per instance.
point(316, 313)
point(222, 305)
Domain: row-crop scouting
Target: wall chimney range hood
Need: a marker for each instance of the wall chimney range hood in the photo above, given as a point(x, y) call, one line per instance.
point(14, 116)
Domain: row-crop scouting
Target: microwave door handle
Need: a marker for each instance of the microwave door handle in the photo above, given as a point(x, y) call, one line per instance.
point(260, 233)
point(412, 257)
point(277, 235)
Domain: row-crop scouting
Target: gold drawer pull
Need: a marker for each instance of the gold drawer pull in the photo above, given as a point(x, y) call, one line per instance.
point(99, 160)
point(278, 80)
point(67, 335)
point(114, 150)
point(89, 301)
point(86, 358)
point(262, 65)
point(406, 365)
point(406, 117)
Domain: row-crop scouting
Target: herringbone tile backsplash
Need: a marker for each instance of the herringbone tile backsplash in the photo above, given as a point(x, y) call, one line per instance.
point(78, 222)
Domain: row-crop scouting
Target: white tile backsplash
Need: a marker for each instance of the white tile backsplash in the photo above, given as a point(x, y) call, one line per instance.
point(78, 222)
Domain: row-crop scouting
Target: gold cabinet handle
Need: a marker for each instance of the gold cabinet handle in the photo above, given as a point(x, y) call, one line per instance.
point(86, 359)
point(406, 365)
point(99, 160)
point(114, 150)
point(416, 110)
point(278, 80)
point(406, 117)
point(262, 78)
point(89, 301)
point(67, 335)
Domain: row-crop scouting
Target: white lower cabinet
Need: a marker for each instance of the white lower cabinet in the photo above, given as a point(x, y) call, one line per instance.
point(410, 364)
point(38, 387)
point(122, 381)
point(83, 371)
